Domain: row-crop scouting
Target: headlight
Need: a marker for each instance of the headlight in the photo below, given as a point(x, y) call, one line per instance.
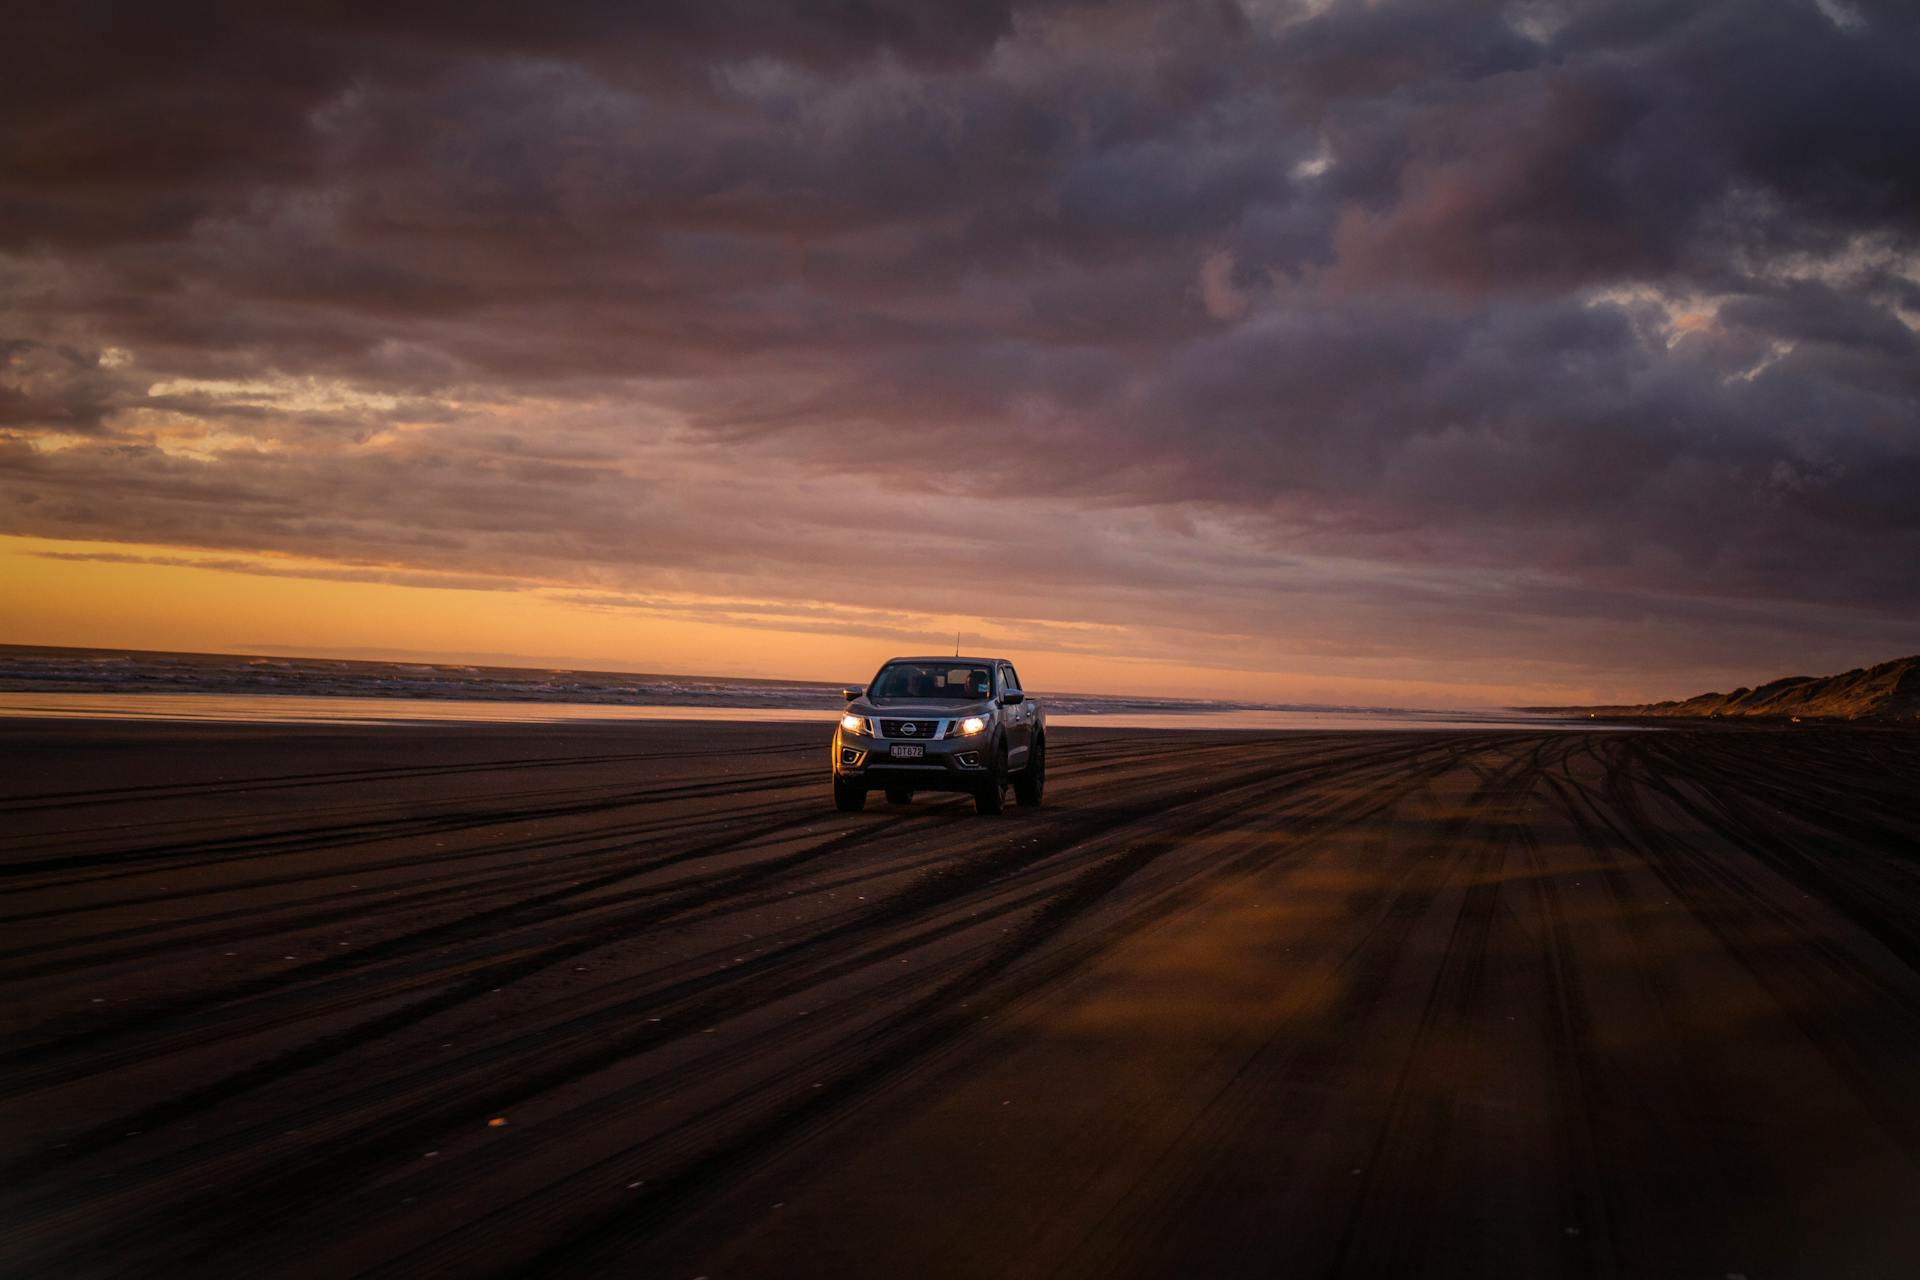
point(853, 724)
point(972, 724)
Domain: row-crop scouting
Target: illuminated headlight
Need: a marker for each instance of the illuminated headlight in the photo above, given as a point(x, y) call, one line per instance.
point(971, 725)
point(853, 724)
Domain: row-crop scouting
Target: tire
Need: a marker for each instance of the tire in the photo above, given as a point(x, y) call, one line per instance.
point(1031, 782)
point(992, 795)
point(848, 797)
point(899, 795)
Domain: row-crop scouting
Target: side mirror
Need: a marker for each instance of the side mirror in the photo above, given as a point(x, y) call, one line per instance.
point(1013, 698)
point(851, 694)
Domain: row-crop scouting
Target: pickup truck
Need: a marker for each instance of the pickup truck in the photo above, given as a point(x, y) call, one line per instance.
point(940, 724)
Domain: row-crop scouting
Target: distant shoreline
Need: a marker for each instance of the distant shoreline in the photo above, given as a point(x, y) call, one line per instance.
point(40, 669)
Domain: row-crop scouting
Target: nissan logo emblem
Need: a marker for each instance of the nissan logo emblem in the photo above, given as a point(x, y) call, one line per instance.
point(908, 730)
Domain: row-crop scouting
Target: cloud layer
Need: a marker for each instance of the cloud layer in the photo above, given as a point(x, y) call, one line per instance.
point(1558, 338)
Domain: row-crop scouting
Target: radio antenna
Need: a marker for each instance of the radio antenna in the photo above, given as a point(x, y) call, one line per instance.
point(956, 644)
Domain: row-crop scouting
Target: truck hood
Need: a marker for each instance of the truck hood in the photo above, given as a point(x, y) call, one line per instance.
point(933, 709)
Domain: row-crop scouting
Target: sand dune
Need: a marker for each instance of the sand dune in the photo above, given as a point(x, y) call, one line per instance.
point(1890, 691)
point(633, 1000)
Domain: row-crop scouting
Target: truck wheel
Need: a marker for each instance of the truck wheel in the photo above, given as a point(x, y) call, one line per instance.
point(1031, 782)
point(992, 795)
point(848, 797)
point(899, 795)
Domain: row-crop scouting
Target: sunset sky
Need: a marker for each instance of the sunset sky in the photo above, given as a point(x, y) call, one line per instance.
point(1376, 352)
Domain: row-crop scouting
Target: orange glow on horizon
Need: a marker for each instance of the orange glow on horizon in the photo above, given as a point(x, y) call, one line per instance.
point(117, 595)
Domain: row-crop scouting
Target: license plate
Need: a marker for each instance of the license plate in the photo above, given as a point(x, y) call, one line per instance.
point(900, 751)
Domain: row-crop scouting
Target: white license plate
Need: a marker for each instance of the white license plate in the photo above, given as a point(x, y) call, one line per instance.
point(900, 751)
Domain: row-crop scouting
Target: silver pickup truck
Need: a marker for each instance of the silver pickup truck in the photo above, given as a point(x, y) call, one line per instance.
point(941, 724)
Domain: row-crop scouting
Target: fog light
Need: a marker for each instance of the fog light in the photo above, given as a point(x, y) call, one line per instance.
point(848, 756)
point(969, 759)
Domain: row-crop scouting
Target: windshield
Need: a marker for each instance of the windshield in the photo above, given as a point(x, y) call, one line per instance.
point(922, 680)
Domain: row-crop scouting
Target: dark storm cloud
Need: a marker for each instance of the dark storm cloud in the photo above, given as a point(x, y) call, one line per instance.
point(1617, 297)
point(178, 109)
point(49, 386)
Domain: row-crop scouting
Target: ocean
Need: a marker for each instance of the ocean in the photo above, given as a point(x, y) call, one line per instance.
point(146, 685)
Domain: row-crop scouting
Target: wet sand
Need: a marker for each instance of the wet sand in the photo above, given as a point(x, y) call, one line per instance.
point(1640, 1003)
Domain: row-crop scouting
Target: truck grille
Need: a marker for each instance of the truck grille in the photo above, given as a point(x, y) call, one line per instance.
point(922, 729)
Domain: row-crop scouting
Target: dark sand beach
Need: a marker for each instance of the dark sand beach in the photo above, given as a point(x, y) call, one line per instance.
point(634, 1000)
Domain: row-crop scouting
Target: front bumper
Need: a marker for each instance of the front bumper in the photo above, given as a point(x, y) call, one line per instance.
point(949, 764)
